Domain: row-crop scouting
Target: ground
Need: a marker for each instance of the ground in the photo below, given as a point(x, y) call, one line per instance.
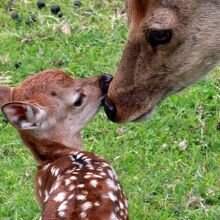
point(162, 180)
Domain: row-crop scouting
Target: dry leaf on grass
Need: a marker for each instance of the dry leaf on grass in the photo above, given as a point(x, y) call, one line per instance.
point(183, 145)
point(66, 29)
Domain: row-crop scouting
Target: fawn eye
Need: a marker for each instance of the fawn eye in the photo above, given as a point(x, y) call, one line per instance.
point(79, 100)
point(157, 37)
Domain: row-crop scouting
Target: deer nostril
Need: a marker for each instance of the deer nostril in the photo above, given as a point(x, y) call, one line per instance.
point(105, 82)
point(110, 110)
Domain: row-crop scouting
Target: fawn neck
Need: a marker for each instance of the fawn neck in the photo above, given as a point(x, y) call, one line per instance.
point(46, 151)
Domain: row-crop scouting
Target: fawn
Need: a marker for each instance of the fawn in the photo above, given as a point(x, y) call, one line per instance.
point(49, 110)
point(171, 45)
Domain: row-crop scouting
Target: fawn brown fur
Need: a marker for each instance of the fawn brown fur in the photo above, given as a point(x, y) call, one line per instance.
point(49, 110)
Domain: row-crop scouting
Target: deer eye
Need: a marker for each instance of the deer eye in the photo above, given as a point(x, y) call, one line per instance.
point(157, 37)
point(79, 101)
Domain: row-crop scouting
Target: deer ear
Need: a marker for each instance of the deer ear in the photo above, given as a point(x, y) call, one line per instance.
point(5, 94)
point(22, 115)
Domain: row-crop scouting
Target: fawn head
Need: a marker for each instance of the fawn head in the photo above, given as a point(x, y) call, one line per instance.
point(171, 44)
point(52, 105)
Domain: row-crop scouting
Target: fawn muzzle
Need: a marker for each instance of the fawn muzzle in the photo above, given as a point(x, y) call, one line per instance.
point(105, 81)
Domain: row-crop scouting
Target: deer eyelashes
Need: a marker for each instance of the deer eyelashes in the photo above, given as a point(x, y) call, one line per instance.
point(158, 37)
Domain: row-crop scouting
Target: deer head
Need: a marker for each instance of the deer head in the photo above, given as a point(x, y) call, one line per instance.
point(52, 105)
point(171, 45)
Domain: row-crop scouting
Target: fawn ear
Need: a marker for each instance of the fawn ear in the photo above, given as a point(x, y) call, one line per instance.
point(5, 94)
point(23, 115)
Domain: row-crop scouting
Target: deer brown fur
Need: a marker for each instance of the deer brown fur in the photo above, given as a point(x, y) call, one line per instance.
point(153, 67)
point(49, 110)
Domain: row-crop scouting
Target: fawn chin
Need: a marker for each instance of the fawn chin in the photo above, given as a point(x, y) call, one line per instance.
point(49, 110)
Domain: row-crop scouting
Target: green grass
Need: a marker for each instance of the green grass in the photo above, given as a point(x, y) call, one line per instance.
point(160, 184)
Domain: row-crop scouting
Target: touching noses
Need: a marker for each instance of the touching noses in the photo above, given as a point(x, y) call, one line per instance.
point(108, 106)
point(105, 82)
point(110, 109)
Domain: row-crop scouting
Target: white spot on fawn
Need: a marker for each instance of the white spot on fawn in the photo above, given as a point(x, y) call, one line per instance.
point(104, 164)
point(60, 197)
point(83, 215)
point(88, 160)
point(40, 193)
point(90, 167)
point(67, 182)
point(73, 178)
point(121, 205)
point(86, 206)
point(39, 181)
point(94, 183)
point(126, 204)
point(46, 196)
point(110, 183)
point(79, 155)
point(113, 217)
point(102, 174)
point(118, 188)
point(88, 176)
point(96, 204)
point(52, 170)
point(56, 172)
point(61, 214)
point(110, 173)
point(62, 208)
point(97, 176)
point(81, 197)
point(71, 187)
point(55, 186)
point(69, 171)
point(46, 166)
point(121, 213)
point(81, 186)
point(70, 197)
point(112, 196)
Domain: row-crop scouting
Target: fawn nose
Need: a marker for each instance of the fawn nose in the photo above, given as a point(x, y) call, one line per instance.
point(105, 82)
point(110, 110)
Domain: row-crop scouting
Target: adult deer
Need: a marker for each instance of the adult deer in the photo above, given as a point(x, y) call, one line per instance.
point(49, 110)
point(171, 45)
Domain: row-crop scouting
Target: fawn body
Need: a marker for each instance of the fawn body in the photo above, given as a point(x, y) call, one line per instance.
point(49, 110)
point(171, 45)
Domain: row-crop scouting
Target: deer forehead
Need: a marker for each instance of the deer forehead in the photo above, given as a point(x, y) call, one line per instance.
point(160, 19)
point(159, 9)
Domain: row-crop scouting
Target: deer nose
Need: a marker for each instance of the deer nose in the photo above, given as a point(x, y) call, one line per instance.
point(110, 109)
point(105, 82)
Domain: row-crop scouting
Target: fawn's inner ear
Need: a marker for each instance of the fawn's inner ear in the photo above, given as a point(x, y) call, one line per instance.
point(5, 94)
point(23, 115)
